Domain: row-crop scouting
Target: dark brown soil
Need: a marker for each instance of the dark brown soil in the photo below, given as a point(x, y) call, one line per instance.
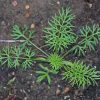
point(21, 85)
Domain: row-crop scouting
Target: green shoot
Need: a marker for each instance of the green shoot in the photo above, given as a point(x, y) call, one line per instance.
point(26, 35)
point(45, 74)
point(89, 37)
point(56, 62)
point(59, 33)
point(16, 57)
point(79, 74)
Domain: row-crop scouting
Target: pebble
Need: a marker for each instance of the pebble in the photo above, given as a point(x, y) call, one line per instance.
point(34, 62)
point(31, 74)
point(58, 2)
point(90, 5)
point(3, 23)
point(95, 66)
point(27, 14)
point(27, 7)
point(32, 26)
point(58, 92)
point(66, 97)
point(13, 73)
point(58, 86)
point(33, 82)
point(66, 90)
point(14, 3)
point(28, 90)
point(25, 98)
point(5, 87)
point(78, 92)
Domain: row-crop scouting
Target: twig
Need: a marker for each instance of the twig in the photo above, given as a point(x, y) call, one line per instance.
point(11, 41)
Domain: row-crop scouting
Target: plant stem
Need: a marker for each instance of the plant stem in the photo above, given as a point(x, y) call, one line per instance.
point(11, 41)
point(35, 46)
point(68, 52)
point(78, 44)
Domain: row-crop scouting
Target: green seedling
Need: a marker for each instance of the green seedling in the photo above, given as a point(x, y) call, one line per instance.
point(59, 33)
point(89, 37)
point(16, 57)
point(45, 73)
point(79, 74)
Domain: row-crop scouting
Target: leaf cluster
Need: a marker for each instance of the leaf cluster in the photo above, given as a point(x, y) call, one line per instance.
point(16, 57)
point(59, 33)
point(90, 36)
point(27, 35)
point(59, 36)
point(22, 34)
point(45, 73)
point(56, 61)
point(78, 73)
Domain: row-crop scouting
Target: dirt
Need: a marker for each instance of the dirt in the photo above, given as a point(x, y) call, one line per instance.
point(16, 84)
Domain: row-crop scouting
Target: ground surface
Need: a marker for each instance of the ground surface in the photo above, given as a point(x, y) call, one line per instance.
point(24, 86)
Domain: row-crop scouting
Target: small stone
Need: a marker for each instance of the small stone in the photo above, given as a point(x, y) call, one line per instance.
point(90, 5)
point(21, 90)
point(4, 87)
point(95, 66)
point(34, 62)
point(66, 97)
point(78, 92)
point(32, 26)
point(25, 98)
point(58, 2)
point(3, 23)
point(13, 73)
point(28, 90)
point(28, 82)
point(27, 6)
point(14, 3)
point(66, 90)
point(58, 86)
point(33, 82)
point(31, 74)
point(58, 92)
point(27, 14)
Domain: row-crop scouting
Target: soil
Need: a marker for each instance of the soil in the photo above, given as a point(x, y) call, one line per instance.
point(16, 84)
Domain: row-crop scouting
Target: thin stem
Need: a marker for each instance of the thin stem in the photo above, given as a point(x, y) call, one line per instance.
point(77, 44)
point(35, 46)
point(44, 46)
point(11, 41)
point(13, 57)
point(68, 52)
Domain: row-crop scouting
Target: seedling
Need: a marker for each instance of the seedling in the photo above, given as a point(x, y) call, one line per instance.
point(16, 57)
point(79, 74)
point(56, 62)
point(27, 35)
point(89, 37)
point(45, 74)
point(59, 34)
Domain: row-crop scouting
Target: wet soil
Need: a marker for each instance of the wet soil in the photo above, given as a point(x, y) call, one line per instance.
point(17, 84)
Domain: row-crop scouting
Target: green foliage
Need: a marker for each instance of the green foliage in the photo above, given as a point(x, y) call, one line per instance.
point(59, 36)
point(59, 33)
point(79, 74)
point(55, 61)
point(23, 34)
point(26, 35)
point(44, 74)
point(16, 57)
point(89, 36)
